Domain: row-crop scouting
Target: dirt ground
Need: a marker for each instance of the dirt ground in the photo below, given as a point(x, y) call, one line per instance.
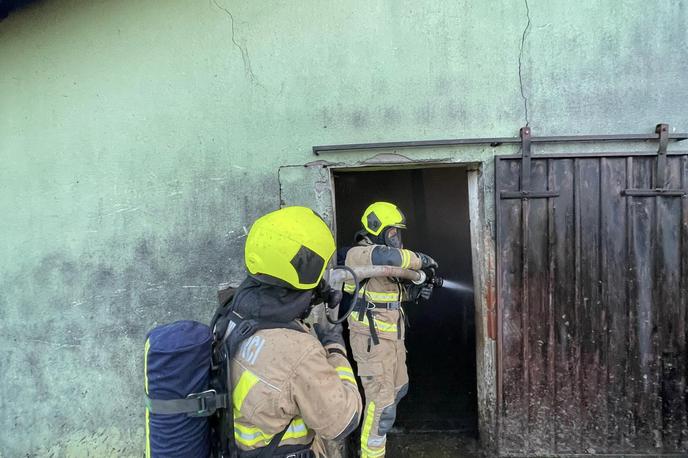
point(432, 445)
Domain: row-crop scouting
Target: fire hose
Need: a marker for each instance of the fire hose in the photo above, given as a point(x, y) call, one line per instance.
point(338, 275)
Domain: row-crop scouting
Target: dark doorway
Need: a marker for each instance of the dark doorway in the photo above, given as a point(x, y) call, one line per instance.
point(441, 338)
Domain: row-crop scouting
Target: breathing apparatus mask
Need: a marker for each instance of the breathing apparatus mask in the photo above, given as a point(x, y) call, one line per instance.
point(392, 237)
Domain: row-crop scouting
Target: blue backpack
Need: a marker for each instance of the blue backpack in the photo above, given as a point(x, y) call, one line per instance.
point(187, 373)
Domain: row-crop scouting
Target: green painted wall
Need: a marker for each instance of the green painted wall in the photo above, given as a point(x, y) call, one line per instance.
point(139, 139)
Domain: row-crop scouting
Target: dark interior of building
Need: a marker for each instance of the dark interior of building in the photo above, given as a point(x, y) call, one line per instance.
point(441, 337)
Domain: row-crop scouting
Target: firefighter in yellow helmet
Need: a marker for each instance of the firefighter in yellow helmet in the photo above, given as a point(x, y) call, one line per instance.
point(288, 380)
point(377, 325)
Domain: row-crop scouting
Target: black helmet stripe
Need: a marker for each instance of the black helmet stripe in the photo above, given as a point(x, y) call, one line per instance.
point(308, 265)
point(374, 222)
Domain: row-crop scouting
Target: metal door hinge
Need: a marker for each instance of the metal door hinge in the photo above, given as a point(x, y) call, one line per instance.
point(660, 189)
point(526, 192)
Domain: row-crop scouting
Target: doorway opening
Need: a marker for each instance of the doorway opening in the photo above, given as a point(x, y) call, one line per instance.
point(441, 341)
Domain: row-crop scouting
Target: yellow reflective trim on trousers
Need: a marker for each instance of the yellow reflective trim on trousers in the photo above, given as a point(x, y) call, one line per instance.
point(251, 435)
point(247, 381)
point(373, 296)
point(368, 423)
point(381, 326)
point(372, 454)
point(146, 348)
point(365, 434)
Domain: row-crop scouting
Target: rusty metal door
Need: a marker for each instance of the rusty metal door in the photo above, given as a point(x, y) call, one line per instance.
point(592, 277)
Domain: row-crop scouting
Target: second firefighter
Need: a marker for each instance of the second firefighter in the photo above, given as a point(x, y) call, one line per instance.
point(377, 324)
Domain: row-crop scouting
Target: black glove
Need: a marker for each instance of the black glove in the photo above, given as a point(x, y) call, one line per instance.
point(323, 293)
point(426, 261)
point(334, 297)
point(421, 291)
point(329, 334)
point(426, 291)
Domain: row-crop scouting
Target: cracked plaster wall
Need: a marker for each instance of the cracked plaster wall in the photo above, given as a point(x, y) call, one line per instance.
point(138, 140)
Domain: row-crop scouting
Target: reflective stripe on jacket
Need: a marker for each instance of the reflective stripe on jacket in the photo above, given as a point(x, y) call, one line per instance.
point(281, 377)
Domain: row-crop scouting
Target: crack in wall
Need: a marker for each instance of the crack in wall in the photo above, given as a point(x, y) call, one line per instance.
point(520, 63)
point(248, 70)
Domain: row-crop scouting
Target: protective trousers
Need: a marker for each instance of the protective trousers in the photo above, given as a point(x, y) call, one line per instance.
point(382, 369)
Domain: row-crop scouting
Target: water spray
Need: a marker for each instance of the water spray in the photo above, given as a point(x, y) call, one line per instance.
point(458, 286)
point(430, 278)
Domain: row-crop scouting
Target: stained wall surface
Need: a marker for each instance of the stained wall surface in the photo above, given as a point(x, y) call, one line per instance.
point(139, 139)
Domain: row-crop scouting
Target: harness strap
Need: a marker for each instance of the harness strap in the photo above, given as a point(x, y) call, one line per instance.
point(267, 452)
point(284, 451)
point(225, 419)
point(361, 313)
point(386, 305)
point(361, 304)
point(401, 312)
point(371, 325)
point(201, 404)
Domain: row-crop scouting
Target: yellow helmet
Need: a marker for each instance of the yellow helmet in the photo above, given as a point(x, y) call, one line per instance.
point(292, 244)
point(381, 215)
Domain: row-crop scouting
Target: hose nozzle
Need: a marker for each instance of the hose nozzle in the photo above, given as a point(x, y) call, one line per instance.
point(422, 278)
point(426, 283)
point(429, 277)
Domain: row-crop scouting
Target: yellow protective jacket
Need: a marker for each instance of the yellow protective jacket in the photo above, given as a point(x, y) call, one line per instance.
point(380, 292)
point(283, 376)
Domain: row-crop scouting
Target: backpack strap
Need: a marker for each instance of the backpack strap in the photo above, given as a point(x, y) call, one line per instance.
point(226, 299)
point(201, 404)
point(268, 450)
point(246, 328)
